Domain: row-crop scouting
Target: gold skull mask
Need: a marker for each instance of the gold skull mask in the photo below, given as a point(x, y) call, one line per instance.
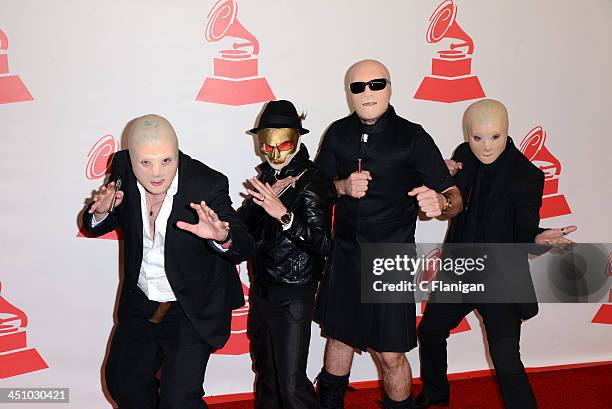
point(278, 144)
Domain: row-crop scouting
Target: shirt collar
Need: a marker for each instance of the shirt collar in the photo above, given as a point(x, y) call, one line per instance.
point(174, 185)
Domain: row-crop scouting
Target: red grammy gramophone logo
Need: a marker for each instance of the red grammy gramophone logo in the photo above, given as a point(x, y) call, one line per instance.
point(450, 79)
point(604, 314)
point(429, 273)
point(235, 80)
point(99, 161)
point(15, 356)
point(533, 147)
point(238, 343)
point(12, 89)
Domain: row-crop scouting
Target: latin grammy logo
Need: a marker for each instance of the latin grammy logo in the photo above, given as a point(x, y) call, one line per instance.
point(451, 79)
point(15, 356)
point(99, 161)
point(533, 147)
point(604, 314)
point(12, 89)
point(238, 343)
point(235, 80)
point(429, 272)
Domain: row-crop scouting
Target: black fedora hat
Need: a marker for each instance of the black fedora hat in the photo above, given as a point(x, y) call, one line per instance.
point(280, 114)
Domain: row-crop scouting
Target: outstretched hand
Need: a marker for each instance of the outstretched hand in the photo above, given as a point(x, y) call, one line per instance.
point(556, 238)
point(209, 226)
point(103, 199)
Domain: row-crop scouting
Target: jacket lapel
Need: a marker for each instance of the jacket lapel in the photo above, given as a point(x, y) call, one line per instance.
point(463, 180)
point(501, 181)
point(178, 201)
point(134, 206)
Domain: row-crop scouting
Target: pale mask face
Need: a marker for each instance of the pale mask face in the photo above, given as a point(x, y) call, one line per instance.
point(278, 145)
point(154, 165)
point(370, 105)
point(487, 140)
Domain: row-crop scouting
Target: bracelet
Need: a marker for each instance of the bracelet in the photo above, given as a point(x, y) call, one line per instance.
point(227, 238)
point(448, 205)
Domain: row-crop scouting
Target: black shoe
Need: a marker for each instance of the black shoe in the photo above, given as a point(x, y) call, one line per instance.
point(407, 403)
point(423, 402)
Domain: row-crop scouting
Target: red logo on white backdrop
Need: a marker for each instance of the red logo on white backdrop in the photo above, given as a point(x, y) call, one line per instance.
point(100, 157)
point(534, 148)
point(15, 356)
point(428, 273)
point(604, 315)
point(236, 79)
point(238, 342)
point(451, 79)
point(99, 161)
point(12, 89)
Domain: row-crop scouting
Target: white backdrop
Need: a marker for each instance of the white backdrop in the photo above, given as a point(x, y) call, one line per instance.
point(92, 66)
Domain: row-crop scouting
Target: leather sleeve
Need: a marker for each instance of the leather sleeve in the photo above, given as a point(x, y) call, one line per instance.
point(311, 227)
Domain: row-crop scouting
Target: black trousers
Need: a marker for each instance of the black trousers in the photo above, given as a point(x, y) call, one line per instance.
point(502, 323)
point(140, 348)
point(280, 337)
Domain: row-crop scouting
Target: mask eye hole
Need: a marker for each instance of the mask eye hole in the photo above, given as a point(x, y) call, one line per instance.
point(285, 146)
point(267, 147)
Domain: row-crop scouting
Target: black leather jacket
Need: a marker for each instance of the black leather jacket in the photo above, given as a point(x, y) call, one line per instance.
point(295, 256)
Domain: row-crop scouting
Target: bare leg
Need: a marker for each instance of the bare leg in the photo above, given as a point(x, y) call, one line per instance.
point(338, 357)
point(396, 373)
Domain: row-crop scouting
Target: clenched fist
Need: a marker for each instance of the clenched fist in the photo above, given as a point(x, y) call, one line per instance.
point(355, 185)
point(430, 202)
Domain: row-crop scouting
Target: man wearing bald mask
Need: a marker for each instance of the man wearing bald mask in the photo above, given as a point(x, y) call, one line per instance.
point(182, 241)
point(385, 170)
point(503, 192)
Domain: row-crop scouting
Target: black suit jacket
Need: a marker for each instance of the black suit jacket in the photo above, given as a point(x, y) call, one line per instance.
point(204, 281)
point(512, 215)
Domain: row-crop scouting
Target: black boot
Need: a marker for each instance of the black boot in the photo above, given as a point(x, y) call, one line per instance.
point(331, 390)
point(407, 403)
point(423, 402)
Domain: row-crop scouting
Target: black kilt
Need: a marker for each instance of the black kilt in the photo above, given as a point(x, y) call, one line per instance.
point(342, 315)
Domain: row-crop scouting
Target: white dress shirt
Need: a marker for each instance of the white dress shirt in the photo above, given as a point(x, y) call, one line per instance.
point(152, 279)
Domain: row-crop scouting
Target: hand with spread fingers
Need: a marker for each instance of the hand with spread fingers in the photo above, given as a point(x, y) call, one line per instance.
point(430, 201)
point(453, 167)
point(209, 226)
point(264, 196)
point(556, 238)
point(103, 200)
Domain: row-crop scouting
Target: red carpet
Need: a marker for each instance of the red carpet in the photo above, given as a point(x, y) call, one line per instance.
point(575, 388)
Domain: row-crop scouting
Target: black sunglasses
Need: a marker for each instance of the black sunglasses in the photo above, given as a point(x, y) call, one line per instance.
point(375, 85)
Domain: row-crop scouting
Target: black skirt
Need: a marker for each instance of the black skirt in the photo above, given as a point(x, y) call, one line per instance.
point(343, 317)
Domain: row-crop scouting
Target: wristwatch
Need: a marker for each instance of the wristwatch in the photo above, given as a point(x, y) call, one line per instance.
point(448, 205)
point(286, 218)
